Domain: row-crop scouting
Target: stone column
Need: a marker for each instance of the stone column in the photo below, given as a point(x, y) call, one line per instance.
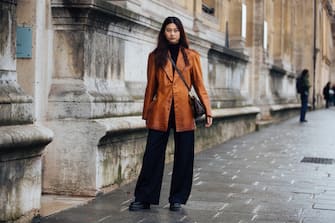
point(21, 142)
point(16, 106)
point(287, 35)
point(257, 24)
point(278, 33)
point(236, 36)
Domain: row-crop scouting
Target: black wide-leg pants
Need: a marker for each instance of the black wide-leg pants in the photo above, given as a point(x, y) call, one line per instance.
point(149, 182)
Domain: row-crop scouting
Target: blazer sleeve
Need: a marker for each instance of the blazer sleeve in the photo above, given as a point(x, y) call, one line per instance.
point(151, 88)
point(198, 84)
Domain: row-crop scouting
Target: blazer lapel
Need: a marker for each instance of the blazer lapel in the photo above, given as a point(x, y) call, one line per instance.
point(168, 69)
point(180, 62)
point(180, 65)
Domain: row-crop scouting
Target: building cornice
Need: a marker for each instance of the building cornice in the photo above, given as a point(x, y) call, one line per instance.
point(95, 13)
point(229, 53)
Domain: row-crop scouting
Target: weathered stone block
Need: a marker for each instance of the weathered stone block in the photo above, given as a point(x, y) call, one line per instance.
point(284, 111)
point(21, 171)
point(15, 105)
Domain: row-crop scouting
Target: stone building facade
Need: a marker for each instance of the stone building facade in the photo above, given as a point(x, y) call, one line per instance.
point(73, 74)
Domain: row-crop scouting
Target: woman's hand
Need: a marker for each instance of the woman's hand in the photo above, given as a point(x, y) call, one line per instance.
point(209, 121)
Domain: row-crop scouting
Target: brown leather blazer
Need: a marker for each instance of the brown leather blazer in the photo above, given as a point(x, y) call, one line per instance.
point(163, 85)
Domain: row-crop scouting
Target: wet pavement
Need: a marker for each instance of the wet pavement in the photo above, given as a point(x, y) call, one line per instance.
point(260, 177)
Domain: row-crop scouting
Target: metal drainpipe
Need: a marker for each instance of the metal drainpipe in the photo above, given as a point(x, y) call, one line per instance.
point(314, 55)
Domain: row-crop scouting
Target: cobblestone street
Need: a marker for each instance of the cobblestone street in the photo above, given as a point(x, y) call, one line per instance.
point(282, 173)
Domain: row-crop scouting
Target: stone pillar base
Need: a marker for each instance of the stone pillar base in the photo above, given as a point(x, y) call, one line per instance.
point(21, 171)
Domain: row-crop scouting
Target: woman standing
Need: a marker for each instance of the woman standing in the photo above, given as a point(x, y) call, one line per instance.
point(326, 94)
point(305, 85)
point(166, 107)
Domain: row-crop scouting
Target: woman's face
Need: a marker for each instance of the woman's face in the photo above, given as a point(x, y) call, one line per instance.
point(172, 33)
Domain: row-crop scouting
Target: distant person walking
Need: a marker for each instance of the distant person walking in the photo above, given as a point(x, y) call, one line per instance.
point(326, 94)
point(166, 106)
point(303, 86)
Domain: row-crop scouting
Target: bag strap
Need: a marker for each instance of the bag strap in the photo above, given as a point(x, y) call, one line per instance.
point(179, 72)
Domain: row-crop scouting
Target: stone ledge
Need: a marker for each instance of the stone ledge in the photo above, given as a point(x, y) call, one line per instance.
point(281, 112)
point(275, 108)
point(129, 123)
point(23, 136)
point(117, 145)
point(118, 124)
point(229, 112)
point(263, 124)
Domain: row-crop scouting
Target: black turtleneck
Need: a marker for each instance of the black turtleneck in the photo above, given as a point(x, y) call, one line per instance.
point(174, 49)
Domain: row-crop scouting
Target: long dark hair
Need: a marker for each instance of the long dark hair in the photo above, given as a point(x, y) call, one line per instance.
point(161, 50)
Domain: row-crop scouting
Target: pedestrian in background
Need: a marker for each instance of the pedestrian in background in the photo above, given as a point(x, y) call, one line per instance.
point(166, 106)
point(326, 94)
point(331, 96)
point(303, 86)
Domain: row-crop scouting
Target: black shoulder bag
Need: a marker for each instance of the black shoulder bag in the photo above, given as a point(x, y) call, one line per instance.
point(197, 107)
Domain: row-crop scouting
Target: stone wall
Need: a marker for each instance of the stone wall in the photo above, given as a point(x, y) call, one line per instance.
point(21, 141)
point(86, 78)
point(97, 91)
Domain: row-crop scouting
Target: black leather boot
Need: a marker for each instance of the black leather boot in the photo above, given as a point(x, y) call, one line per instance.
point(175, 206)
point(138, 205)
